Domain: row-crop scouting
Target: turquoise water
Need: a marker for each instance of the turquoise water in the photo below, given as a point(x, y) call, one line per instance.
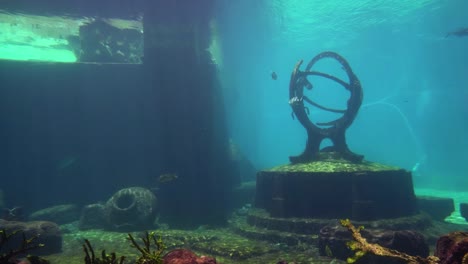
point(413, 76)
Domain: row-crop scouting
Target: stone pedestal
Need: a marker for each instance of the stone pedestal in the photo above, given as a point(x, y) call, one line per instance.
point(437, 207)
point(336, 189)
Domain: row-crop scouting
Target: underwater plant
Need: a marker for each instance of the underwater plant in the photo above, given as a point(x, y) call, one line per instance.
point(90, 257)
point(361, 247)
point(151, 251)
point(149, 241)
point(11, 256)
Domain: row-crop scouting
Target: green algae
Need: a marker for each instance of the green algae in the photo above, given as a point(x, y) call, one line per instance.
point(224, 244)
point(333, 165)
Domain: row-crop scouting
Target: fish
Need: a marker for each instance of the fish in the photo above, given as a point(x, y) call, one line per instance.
point(274, 76)
point(462, 32)
point(167, 177)
point(13, 214)
point(66, 162)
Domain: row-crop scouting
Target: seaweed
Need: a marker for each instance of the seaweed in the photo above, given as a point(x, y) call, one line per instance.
point(148, 256)
point(27, 244)
point(361, 247)
point(90, 257)
point(151, 251)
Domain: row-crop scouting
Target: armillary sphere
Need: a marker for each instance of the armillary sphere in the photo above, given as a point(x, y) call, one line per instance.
point(334, 130)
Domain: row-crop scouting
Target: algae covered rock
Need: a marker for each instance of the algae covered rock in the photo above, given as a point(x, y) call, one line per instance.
point(333, 240)
point(46, 233)
point(336, 188)
point(92, 217)
point(131, 209)
point(452, 248)
point(60, 214)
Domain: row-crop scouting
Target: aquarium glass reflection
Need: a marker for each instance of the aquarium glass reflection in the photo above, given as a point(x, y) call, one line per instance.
point(28, 36)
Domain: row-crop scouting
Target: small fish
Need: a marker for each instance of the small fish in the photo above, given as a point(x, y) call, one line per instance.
point(66, 162)
point(13, 214)
point(167, 177)
point(462, 32)
point(274, 76)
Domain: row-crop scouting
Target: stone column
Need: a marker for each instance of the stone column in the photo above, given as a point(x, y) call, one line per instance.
point(192, 133)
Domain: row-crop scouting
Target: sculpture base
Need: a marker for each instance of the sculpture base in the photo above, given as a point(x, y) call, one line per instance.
point(259, 225)
point(336, 189)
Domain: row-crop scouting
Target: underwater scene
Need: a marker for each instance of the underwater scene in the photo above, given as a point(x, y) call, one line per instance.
point(220, 131)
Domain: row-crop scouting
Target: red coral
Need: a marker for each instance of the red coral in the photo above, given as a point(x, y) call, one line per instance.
point(452, 248)
point(185, 256)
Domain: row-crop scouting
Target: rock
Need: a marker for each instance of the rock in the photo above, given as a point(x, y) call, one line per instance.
point(185, 256)
point(332, 240)
point(92, 217)
point(407, 241)
point(60, 214)
point(464, 210)
point(47, 233)
point(335, 238)
point(438, 208)
point(131, 209)
point(452, 248)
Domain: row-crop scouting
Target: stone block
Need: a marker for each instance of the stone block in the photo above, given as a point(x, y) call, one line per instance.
point(437, 207)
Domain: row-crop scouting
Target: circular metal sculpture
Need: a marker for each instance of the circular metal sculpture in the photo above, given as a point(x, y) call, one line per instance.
point(334, 130)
